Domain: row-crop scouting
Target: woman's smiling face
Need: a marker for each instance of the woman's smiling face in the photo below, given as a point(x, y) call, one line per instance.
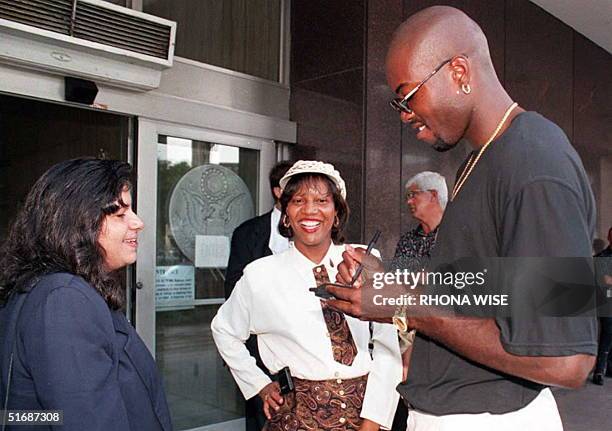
point(311, 213)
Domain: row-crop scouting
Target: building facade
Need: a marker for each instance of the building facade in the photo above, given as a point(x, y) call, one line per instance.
point(251, 82)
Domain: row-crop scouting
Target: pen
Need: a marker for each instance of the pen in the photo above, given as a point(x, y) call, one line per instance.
point(368, 252)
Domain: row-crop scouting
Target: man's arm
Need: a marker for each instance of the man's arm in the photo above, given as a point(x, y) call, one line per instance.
point(479, 340)
point(476, 339)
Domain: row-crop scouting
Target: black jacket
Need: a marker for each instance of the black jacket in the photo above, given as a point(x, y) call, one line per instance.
point(249, 242)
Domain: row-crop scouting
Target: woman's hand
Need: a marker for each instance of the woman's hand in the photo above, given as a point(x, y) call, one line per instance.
point(368, 425)
point(271, 397)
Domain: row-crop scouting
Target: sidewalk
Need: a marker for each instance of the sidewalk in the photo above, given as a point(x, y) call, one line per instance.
point(586, 409)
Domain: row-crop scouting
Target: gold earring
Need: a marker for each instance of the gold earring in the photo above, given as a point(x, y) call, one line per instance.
point(466, 88)
point(285, 221)
point(336, 221)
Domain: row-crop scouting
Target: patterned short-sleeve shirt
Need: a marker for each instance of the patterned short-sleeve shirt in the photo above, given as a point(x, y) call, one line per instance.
point(413, 249)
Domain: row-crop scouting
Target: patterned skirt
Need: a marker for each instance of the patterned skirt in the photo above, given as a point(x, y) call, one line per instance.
point(326, 405)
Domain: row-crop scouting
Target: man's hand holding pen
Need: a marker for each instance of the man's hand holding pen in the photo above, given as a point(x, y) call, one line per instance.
point(356, 300)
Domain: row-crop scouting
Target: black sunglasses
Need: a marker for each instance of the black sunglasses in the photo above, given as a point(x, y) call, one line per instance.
point(400, 104)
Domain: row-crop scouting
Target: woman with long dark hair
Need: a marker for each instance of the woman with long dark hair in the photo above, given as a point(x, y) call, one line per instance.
point(65, 344)
point(338, 384)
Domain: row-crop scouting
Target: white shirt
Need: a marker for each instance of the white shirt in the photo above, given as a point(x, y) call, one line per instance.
point(277, 242)
point(272, 300)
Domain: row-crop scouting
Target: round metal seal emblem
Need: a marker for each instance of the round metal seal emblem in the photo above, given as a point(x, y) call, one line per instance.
point(207, 200)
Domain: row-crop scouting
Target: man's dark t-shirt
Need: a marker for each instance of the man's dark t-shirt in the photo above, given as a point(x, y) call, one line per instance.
point(528, 196)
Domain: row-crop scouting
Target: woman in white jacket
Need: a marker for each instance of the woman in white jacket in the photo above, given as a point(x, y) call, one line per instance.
point(339, 384)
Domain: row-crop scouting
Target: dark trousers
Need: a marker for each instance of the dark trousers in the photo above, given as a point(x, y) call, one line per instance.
point(253, 408)
point(605, 344)
point(255, 418)
point(400, 421)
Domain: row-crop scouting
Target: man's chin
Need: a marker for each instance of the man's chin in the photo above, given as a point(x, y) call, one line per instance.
point(434, 142)
point(441, 146)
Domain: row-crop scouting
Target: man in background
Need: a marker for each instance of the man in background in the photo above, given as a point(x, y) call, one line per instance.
point(256, 238)
point(426, 197)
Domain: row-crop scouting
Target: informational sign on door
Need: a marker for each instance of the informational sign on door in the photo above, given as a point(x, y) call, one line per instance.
point(174, 286)
point(212, 251)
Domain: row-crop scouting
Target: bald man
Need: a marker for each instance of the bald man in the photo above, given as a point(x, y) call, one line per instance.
point(522, 191)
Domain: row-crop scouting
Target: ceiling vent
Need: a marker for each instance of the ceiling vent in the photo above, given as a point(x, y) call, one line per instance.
point(89, 39)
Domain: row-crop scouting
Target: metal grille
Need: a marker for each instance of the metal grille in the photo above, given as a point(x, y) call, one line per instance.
point(93, 23)
point(53, 15)
point(121, 30)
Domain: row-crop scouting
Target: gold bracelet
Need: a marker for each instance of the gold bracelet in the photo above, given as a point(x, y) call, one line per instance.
point(399, 318)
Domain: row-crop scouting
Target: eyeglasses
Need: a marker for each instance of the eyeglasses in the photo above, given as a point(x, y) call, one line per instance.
point(400, 104)
point(413, 193)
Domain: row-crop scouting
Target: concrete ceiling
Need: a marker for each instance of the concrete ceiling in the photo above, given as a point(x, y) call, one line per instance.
point(592, 18)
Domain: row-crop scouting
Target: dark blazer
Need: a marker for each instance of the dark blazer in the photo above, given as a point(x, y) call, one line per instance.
point(249, 242)
point(76, 355)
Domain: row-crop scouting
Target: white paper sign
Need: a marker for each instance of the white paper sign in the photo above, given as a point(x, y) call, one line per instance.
point(212, 251)
point(174, 284)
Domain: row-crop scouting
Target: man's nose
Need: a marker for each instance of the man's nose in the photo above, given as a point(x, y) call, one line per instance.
point(407, 117)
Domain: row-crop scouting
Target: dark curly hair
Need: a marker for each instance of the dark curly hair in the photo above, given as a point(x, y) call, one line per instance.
point(295, 184)
point(58, 227)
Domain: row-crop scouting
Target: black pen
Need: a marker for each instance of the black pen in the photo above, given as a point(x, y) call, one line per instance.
point(321, 290)
point(368, 252)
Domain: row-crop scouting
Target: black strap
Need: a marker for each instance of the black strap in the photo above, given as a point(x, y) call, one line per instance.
point(13, 330)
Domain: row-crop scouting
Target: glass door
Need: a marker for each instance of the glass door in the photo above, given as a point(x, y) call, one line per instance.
point(194, 188)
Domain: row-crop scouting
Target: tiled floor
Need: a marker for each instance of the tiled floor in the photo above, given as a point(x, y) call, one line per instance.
point(586, 409)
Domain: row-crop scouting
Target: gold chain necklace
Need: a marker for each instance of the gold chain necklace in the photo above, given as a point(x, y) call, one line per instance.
point(470, 165)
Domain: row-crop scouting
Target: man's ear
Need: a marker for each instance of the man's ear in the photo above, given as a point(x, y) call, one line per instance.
point(434, 195)
point(461, 70)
